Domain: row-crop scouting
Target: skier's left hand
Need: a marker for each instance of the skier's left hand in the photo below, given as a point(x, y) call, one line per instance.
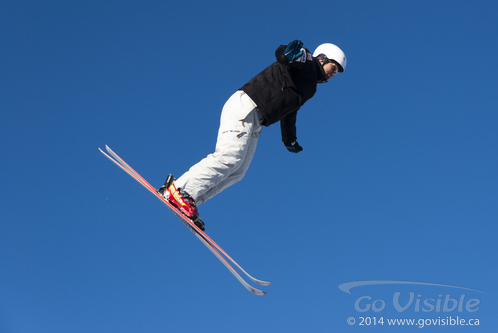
point(294, 147)
point(293, 50)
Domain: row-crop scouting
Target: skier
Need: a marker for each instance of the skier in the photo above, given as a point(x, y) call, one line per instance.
point(275, 94)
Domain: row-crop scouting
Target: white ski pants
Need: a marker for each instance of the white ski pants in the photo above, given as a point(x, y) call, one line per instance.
point(240, 126)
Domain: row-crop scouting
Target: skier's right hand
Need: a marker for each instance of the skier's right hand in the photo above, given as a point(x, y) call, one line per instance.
point(294, 147)
point(293, 50)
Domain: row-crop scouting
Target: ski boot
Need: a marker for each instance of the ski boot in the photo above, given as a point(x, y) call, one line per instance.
point(181, 200)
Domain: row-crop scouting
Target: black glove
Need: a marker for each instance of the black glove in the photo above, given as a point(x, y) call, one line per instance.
point(293, 50)
point(294, 147)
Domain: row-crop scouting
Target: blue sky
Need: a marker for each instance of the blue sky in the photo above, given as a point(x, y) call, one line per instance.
point(397, 180)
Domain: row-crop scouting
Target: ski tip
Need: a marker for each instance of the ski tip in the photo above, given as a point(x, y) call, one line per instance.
point(263, 283)
point(258, 292)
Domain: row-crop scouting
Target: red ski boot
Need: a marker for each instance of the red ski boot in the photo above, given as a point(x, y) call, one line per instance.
point(181, 200)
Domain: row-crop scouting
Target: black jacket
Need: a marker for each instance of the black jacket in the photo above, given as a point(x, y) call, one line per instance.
point(283, 87)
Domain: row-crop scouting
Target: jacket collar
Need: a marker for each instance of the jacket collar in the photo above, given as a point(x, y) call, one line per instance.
point(321, 77)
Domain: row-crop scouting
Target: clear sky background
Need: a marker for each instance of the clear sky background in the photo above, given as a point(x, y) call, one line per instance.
point(397, 180)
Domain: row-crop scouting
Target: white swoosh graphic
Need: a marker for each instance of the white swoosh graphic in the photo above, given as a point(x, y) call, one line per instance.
point(346, 287)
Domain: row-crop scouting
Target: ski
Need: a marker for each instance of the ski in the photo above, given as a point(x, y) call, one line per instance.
point(202, 236)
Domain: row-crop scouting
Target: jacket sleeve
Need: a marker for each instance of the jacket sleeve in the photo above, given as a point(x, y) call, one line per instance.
point(303, 61)
point(288, 128)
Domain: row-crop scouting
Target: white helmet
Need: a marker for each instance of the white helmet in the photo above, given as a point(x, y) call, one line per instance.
point(332, 52)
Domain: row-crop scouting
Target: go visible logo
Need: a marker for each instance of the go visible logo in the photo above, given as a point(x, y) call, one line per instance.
point(402, 301)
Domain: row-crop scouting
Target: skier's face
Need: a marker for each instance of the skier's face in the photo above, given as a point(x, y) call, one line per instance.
point(330, 69)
